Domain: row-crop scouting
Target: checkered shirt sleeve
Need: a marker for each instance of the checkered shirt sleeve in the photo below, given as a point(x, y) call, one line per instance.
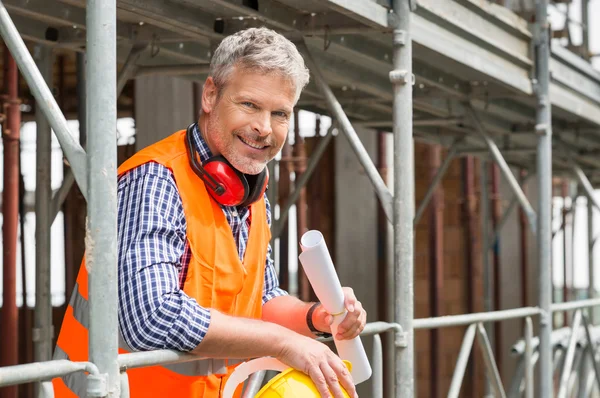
point(154, 312)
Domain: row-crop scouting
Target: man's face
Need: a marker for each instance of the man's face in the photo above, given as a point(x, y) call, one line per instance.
point(249, 121)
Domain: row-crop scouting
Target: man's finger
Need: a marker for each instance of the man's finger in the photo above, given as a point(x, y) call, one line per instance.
point(320, 382)
point(332, 380)
point(354, 329)
point(351, 319)
point(348, 290)
point(350, 302)
point(345, 379)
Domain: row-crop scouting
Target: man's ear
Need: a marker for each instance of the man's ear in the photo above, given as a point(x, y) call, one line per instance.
point(209, 95)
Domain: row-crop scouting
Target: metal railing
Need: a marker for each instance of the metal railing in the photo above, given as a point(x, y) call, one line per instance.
point(580, 343)
point(580, 337)
point(571, 346)
point(94, 171)
point(475, 328)
point(45, 371)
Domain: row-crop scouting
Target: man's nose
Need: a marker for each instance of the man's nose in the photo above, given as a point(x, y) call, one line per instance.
point(262, 124)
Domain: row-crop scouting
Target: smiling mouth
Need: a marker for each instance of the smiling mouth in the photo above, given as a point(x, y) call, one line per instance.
point(252, 144)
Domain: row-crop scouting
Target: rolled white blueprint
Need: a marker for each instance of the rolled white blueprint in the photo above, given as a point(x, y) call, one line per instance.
point(318, 267)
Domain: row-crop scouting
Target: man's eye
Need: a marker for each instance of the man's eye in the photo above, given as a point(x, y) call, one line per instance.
point(280, 114)
point(248, 104)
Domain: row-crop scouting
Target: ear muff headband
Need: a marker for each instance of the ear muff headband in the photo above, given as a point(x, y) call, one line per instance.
point(227, 185)
point(259, 186)
point(212, 184)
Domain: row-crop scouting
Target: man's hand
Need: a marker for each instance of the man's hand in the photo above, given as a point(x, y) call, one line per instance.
point(233, 337)
point(351, 326)
point(315, 359)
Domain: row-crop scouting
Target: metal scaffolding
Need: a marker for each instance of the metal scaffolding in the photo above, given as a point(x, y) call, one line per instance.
point(544, 166)
point(374, 63)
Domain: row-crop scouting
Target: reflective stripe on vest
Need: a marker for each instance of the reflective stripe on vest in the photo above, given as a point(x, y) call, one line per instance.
point(81, 307)
point(203, 367)
point(76, 382)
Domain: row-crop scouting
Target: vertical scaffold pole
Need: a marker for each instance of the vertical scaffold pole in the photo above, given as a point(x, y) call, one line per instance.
point(101, 233)
point(43, 331)
point(404, 206)
point(544, 175)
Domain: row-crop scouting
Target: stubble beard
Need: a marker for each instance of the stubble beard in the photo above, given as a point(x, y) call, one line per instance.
point(242, 163)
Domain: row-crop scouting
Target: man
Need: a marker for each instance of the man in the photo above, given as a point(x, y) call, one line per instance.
point(195, 272)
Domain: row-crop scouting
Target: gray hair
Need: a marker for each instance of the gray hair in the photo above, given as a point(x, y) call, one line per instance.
point(262, 50)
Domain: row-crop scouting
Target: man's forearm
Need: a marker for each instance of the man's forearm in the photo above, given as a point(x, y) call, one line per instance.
point(235, 337)
point(288, 311)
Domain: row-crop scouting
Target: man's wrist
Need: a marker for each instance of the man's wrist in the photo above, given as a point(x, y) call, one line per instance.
point(310, 321)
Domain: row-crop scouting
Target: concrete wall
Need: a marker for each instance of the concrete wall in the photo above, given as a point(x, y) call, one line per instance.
point(511, 281)
point(163, 105)
point(356, 215)
point(356, 228)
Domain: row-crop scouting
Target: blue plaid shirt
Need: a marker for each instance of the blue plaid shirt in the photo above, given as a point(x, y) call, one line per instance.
point(154, 254)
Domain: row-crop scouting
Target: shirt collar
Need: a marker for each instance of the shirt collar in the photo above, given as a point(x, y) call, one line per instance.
point(200, 145)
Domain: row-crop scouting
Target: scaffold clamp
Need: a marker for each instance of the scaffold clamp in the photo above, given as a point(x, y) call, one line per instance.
point(97, 385)
point(402, 76)
point(401, 339)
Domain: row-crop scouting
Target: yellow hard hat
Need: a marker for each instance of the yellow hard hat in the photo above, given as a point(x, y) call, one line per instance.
point(292, 383)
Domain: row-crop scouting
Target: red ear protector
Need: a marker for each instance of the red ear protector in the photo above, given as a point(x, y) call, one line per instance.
point(227, 185)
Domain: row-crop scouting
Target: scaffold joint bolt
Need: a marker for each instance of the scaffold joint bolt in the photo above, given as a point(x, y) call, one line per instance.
point(401, 339)
point(541, 129)
point(39, 334)
point(402, 76)
point(400, 37)
point(97, 385)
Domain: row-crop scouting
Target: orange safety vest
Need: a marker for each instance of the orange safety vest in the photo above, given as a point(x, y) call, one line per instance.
point(216, 278)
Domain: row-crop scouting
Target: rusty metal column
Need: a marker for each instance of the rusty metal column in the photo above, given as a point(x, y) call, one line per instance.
point(314, 200)
point(74, 207)
point(470, 223)
point(488, 304)
point(497, 276)
point(9, 345)
point(25, 313)
point(436, 269)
